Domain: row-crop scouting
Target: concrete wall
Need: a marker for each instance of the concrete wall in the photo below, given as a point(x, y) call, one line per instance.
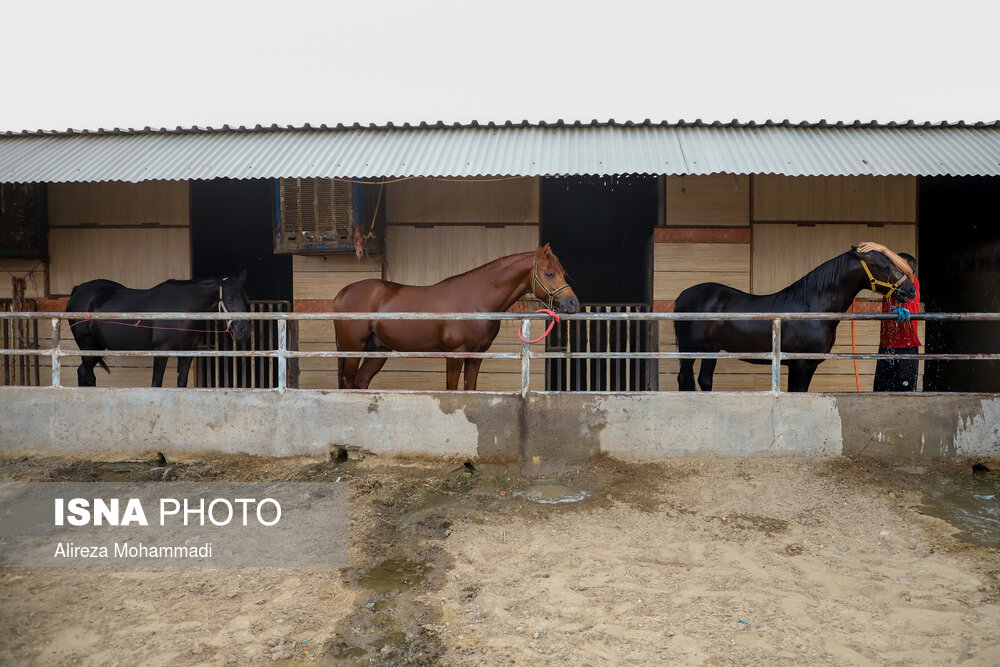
point(496, 426)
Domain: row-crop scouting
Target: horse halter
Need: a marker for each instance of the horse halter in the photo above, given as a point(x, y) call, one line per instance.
point(222, 305)
point(549, 293)
point(881, 283)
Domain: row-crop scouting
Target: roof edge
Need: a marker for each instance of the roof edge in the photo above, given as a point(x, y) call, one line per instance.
point(441, 125)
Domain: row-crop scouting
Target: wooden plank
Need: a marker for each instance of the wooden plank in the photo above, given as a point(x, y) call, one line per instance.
point(326, 285)
point(139, 258)
point(834, 198)
point(715, 199)
point(429, 200)
point(699, 256)
point(118, 203)
point(424, 256)
point(336, 263)
point(774, 267)
point(668, 284)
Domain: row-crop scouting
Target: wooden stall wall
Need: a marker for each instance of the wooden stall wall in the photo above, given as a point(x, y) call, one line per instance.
point(137, 234)
point(762, 233)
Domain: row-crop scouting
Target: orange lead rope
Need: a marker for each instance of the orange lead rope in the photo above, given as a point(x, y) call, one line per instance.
point(854, 350)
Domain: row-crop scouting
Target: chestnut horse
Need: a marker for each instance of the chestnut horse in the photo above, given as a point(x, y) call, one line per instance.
point(492, 287)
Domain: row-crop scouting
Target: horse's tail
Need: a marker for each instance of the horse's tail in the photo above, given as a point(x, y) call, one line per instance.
point(100, 361)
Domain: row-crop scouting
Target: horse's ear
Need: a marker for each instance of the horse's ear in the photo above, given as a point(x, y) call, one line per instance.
point(243, 276)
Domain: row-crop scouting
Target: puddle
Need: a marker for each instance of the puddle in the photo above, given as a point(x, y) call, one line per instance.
point(376, 632)
point(550, 492)
point(395, 575)
point(970, 502)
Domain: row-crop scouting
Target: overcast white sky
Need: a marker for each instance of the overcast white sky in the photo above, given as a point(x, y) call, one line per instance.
point(86, 65)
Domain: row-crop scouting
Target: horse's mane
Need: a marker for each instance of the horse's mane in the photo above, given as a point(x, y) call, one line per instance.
point(827, 274)
point(496, 265)
point(193, 281)
point(824, 279)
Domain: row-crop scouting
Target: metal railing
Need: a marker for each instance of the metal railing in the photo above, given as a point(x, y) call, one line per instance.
point(283, 354)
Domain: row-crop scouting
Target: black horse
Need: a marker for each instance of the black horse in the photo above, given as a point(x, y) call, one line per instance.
point(225, 295)
point(830, 287)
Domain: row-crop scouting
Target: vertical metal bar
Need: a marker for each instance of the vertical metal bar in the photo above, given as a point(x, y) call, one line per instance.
point(8, 362)
point(525, 361)
point(776, 356)
point(34, 343)
point(282, 361)
point(56, 352)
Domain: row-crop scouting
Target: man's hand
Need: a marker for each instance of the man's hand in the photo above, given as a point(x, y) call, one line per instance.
point(871, 246)
point(902, 314)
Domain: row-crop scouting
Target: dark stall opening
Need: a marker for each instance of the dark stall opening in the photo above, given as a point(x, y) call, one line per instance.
point(959, 272)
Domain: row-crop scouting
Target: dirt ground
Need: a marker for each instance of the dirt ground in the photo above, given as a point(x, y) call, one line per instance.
point(688, 561)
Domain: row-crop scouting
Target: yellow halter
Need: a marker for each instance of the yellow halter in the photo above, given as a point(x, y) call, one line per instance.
point(881, 283)
point(535, 280)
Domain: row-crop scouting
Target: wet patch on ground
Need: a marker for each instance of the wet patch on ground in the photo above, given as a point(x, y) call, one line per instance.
point(970, 501)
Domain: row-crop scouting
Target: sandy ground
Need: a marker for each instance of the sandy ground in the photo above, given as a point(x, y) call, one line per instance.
point(690, 561)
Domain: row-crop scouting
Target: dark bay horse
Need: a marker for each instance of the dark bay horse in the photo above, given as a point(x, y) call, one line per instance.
point(225, 295)
point(829, 288)
point(493, 287)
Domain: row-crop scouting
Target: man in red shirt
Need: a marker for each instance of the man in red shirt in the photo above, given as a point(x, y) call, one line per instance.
point(898, 336)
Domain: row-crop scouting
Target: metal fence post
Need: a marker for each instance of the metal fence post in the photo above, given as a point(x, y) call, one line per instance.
point(776, 355)
point(282, 359)
point(525, 360)
point(56, 352)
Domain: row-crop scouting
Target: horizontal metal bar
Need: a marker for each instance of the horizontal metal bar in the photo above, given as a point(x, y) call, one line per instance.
point(650, 355)
point(701, 317)
point(264, 353)
point(404, 355)
point(319, 354)
point(872, 355)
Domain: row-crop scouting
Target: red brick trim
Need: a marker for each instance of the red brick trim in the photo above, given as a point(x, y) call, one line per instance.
point(701, 235)
point(52, 305)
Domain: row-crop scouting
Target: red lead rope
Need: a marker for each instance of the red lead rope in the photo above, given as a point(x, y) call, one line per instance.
point(138, 324)
point(854, 350)
point(555, 318)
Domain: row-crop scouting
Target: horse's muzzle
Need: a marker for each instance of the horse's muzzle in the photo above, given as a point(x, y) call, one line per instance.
point(905, 292)
point(240, 330)
point(568, 304)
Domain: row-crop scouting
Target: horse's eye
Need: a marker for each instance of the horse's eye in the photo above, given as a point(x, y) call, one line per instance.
point(549, 274)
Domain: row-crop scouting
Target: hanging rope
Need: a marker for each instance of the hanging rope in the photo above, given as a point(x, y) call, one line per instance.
point(139, 325)
point(854, 350)
point(552, 323)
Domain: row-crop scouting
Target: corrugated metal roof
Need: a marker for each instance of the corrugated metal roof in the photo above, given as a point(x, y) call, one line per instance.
point(524, 149)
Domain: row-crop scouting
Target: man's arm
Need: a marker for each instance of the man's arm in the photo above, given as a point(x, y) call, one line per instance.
point(901, 264)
